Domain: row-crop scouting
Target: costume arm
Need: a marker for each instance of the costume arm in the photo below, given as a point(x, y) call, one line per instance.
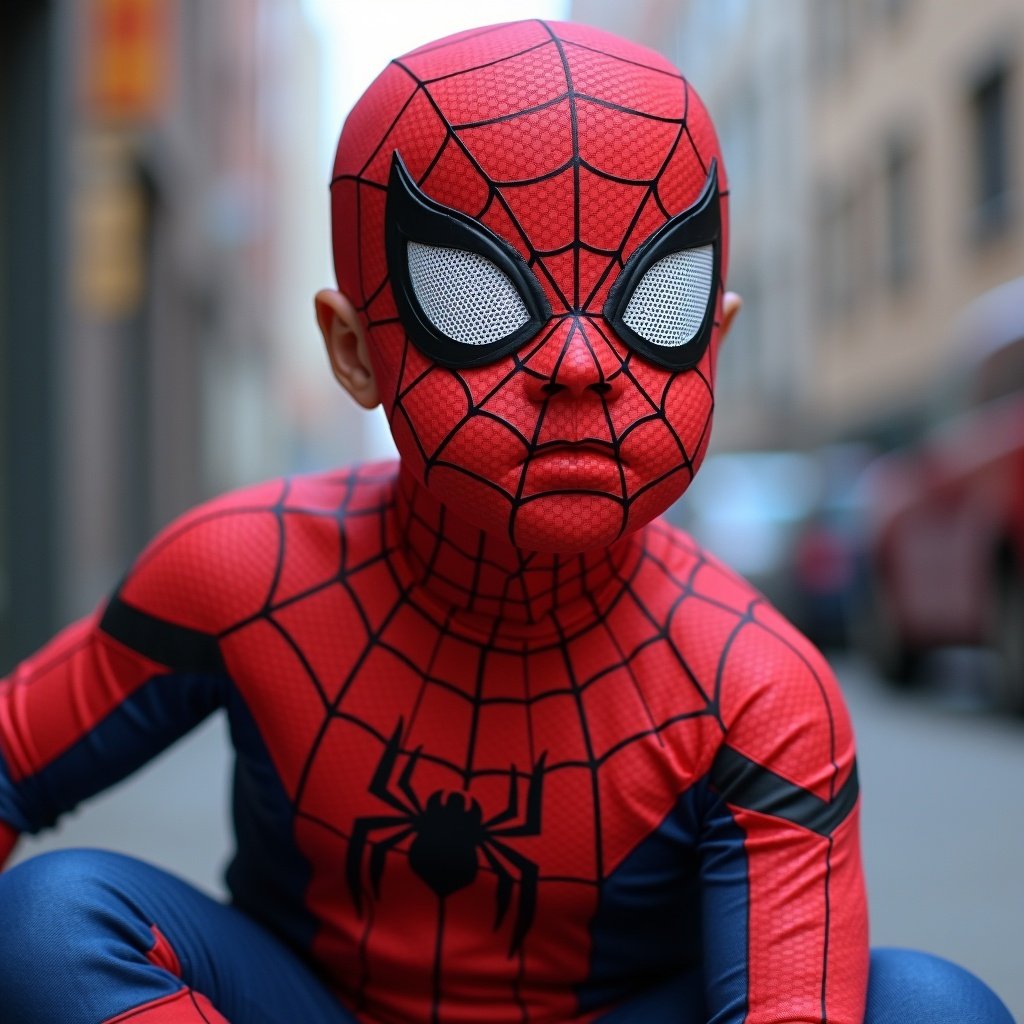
point(784, 903)
point(86, 710)
point(113, 690)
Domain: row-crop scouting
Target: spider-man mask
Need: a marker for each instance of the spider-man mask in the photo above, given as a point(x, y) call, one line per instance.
point(531, 221)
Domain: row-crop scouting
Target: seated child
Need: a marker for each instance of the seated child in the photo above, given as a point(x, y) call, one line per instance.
point(509, 748)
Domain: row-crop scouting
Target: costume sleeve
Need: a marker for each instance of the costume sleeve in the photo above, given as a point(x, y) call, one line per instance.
point(785, 913)
point(116, 688)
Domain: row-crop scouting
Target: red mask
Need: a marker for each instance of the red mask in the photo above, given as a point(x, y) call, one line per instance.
point(531, 220)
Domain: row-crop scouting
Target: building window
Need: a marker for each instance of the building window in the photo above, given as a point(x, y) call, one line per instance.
point(900, 211)
point(991, 127)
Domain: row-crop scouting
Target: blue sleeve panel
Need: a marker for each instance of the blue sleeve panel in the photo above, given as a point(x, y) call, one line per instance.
point(643, 941)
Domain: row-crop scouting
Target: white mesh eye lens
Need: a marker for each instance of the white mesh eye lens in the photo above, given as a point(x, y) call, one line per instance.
point(465, 295)
point(669, 303)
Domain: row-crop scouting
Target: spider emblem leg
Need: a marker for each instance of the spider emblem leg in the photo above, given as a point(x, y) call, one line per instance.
point(527, 870)
point(380, 788)
point(449, 837)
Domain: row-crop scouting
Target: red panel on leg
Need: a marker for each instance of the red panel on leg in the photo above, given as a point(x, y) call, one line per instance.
point(8, 839)
point(184, 1007)
point(162, 955)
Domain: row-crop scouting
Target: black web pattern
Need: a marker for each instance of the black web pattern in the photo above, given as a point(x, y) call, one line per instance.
point(613, 362)
point(370, 497)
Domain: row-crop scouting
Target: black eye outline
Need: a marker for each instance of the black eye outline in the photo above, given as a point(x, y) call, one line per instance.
point(411, 216)
point(697, 226)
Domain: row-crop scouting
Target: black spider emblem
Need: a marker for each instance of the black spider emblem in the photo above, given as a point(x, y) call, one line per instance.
point(450, 834)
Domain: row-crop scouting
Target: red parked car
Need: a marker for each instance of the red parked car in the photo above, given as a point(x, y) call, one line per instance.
point(945, 515)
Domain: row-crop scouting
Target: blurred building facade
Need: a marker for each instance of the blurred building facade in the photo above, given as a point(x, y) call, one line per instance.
point(153, 158)
point(876, 159)
point(161, 196)
point(29, 58)
point(917, 160)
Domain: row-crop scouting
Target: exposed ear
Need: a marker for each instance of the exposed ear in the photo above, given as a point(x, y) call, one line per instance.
point(731, 305)
point(345, 342)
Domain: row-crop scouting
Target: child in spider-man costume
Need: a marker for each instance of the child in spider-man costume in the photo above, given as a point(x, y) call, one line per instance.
point(509, 748)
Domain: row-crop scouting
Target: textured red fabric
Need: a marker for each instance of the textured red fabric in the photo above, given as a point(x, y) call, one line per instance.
point(51, 701)
point(184, 1007)
point(574, 146)
point(399, 643)
point(162, 953)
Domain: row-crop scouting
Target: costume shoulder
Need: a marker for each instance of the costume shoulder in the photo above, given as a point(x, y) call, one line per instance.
point(227, 559)
point(785, 810)
point(115, 688)
point(777, 698)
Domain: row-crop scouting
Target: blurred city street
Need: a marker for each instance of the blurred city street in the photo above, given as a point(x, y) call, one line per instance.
point(942, 819)
point(943, 823)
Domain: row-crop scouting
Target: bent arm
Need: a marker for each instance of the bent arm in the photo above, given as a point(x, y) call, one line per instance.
point(113, 690)
point(101, 699)
point(781, 850)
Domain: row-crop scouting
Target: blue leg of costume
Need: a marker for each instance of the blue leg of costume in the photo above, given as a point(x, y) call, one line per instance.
point(77, 940)
point(906, 987)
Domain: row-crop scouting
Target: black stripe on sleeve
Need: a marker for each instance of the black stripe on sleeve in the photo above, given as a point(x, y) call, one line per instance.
point(745, 783)
point(177, 647)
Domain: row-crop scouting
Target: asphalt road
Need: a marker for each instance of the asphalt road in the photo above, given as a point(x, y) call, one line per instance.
point(943, 786)
point(942, 779)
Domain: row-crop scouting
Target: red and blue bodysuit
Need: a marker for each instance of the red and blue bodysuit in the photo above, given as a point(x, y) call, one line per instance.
point(509, 748)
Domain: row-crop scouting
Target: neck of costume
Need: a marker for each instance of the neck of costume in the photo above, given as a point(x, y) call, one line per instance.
point(483, 579)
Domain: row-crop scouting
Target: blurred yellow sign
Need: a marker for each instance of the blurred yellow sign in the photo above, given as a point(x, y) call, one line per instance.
point(127, 62)
point(109, 231)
